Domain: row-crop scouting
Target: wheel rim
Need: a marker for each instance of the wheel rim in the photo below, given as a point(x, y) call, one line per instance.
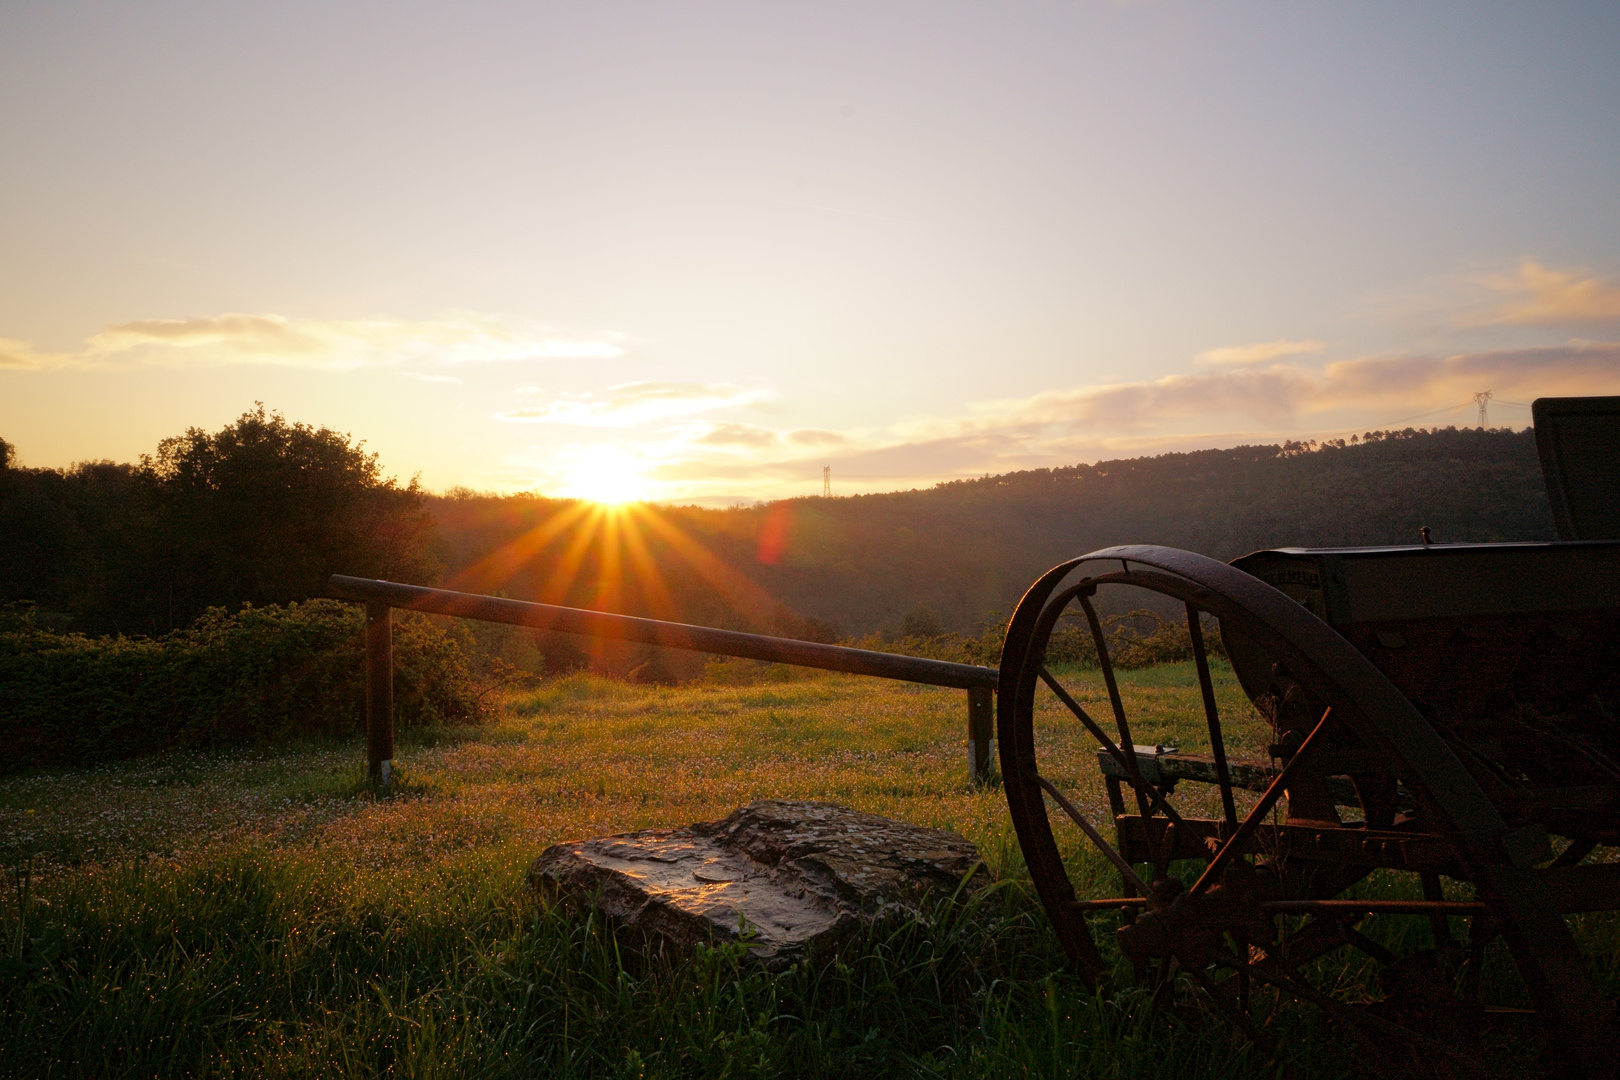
point(1368, 707)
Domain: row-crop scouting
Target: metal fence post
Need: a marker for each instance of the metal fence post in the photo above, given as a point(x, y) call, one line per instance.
point(981, 730)
point(379, 694)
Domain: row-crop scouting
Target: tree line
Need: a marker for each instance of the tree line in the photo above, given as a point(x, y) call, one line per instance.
point(259, 512)
point(264, 510)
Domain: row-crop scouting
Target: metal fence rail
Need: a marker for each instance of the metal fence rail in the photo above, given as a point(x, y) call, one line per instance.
point(382, 596)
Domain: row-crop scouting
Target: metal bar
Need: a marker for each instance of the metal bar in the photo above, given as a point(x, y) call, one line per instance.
point(1119, 903)
point(1317, 907)
point(981, 731)
point(1144, 790)
point(670, 635)
point(1278, 787)
point(1439, 922)
point(379, 693)
point(1126, 870)
point(1217, 744)
point(1107, 666)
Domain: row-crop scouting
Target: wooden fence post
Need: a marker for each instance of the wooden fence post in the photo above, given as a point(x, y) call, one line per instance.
point(981, 731)
point(379, 694)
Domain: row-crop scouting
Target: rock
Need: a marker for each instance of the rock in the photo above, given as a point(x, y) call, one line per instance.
point(800, 876)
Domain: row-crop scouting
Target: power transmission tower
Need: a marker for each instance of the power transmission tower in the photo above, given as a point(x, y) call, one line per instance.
point(826, 480)
point(1484, 399)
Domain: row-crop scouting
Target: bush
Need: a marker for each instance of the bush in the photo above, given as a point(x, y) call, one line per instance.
point(1136, 639)
point(258, 675)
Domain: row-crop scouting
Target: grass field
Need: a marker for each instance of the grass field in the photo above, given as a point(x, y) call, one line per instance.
point(260, 912)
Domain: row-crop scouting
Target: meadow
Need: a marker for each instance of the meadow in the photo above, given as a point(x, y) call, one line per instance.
point(261, 912)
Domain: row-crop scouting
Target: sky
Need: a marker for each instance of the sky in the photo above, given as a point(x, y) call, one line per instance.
point(700, 252)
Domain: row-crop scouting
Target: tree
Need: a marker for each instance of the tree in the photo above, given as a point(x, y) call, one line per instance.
point(263, 511)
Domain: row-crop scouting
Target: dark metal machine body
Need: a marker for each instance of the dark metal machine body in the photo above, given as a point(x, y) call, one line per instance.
point(1508, 650)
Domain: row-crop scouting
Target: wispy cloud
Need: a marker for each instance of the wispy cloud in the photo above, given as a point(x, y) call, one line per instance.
point(746, 436)
point(1545, 297)
point(1282, 393)
point(817, 437)
point(1258, 353)
point(629, 404)
point(17, 354)
point(331, 344)
point(421, 376)
point(1260, 402)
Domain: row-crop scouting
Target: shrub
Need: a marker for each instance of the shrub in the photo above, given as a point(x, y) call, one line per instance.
point(1136, 639)
point(258, 675)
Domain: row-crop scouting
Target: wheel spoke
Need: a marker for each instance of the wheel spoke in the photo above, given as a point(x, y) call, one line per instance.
point(1217, 744)
point(1481, 932)
point(1128, 763)
point(1125, 868)
point(1369, 946)
point(1238, 1013)
point(1278, 787)
point(1106, 663)
point(1316, 939)
point(1362, 1025)
point(1439, 922)
point(1575, 852)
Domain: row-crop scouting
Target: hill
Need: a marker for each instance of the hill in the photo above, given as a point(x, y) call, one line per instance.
point(952, 554)
point(264, 510)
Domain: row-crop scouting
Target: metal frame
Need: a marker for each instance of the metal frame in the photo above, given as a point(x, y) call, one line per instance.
point(382, 596)
point(1575, 438)
point(1466, 836)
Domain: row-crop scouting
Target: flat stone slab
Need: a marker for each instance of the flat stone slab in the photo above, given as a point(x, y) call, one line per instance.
point(795, 877)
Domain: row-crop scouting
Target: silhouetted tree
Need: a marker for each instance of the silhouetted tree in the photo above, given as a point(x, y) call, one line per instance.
point(262, 511)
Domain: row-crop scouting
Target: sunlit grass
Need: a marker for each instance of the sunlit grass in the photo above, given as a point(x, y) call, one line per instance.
point(263, 912)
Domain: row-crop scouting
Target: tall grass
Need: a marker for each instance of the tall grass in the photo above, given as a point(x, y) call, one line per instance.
point(273, 964)
point(262, 914)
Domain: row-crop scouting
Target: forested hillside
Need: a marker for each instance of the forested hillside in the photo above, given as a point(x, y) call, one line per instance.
point(263, 510)
point(961, 550)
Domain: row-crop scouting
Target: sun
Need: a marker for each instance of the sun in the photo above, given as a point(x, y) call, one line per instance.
point(605, 474)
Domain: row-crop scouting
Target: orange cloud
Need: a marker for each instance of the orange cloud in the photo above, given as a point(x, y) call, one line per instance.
point(737, 435)
point(17, 354)
point(1546, 297)
point(330, 344)
point(1258, 353)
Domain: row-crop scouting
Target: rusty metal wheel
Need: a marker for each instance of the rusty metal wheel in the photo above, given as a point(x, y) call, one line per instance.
point(1269, 900)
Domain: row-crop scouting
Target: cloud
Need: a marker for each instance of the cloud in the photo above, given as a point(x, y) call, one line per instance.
point(1279, 394)
point(817, 437)
point(629, 404)
point(737, 435)
point(1258, 353)
point(326, 344)
point(423, 377)
point(17, 354)
point(1579, 368)
point(1545, 297)
point(262, 334)
point(1227, 406)
point(1272, 394)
